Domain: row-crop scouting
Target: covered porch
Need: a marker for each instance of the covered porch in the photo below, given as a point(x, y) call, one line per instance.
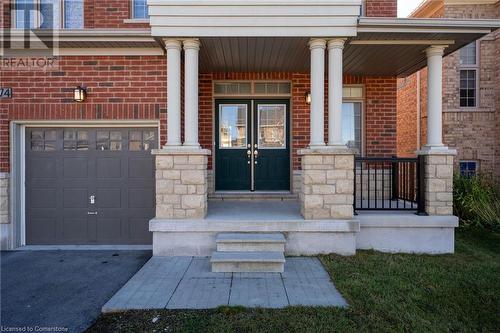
point(319, 49)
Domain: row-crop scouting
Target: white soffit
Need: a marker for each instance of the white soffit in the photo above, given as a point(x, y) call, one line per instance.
point(253, 18)
point(404, 41)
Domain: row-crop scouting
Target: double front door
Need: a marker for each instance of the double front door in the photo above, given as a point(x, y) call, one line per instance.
point(252, 142)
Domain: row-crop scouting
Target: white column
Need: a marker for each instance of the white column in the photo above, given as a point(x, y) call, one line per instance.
point(435, 97)
point(191, 50)
point(173, 47)
point(335, 71)
point(317, 47)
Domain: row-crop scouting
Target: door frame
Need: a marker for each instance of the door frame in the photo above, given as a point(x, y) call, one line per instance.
point(17, 189)
point(251, 98)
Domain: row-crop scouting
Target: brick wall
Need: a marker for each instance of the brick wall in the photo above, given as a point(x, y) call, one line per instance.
point(110, 14)
point(380, 110)
point(98, 14)
point(474, 132)
point(5, 13)
point(381, 8)
point(134, 87)
point(119, 87)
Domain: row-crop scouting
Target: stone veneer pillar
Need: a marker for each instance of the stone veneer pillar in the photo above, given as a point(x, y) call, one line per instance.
point(327, 190)
point(181, 183)
point(438, 181)
point(5, 240)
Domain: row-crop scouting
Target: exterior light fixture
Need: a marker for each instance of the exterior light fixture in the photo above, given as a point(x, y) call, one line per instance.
point(308, 97)
point(80, 93)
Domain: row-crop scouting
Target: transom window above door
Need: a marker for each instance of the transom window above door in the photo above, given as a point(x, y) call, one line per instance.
point(249, 88)
point(48, 14)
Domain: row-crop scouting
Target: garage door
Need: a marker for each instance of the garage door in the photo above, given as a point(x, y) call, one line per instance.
point(89, 185)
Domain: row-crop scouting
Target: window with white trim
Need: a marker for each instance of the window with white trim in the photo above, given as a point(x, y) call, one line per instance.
point(139, 9)
point(469, 76)
point(48, 14)
point(468, 168)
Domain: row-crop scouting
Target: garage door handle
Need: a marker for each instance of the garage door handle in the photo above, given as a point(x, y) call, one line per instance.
point(91, 213)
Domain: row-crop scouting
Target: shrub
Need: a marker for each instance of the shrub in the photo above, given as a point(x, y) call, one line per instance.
point(476, 202)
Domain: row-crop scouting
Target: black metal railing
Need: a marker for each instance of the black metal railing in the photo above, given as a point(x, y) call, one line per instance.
point(389, 184)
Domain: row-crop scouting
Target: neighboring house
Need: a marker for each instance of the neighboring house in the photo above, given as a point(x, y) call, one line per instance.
point(471, 94)
point(152, 109)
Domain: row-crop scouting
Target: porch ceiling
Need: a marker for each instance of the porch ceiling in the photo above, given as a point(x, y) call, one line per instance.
point(385, 47)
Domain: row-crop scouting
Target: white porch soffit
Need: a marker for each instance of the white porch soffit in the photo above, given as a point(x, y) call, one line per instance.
point(397, 46)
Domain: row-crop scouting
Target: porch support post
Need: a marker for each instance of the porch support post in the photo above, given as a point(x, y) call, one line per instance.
point(191, 50)
point(335, 71)
point(438, 159)
point(173, 47)
point(435, 97)
point(317, 47)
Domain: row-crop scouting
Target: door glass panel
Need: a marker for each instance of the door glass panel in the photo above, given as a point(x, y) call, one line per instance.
point(351, 125)
point(233, 126)
point(272, 126)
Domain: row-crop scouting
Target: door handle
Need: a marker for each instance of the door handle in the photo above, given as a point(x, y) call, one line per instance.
point(91, 213)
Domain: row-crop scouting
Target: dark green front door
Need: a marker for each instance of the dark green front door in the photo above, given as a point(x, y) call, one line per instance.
point(252, 145)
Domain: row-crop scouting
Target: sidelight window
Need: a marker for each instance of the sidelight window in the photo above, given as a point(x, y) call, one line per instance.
point(351, 125)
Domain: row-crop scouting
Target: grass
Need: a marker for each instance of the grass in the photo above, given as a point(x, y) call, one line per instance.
point(386, 293)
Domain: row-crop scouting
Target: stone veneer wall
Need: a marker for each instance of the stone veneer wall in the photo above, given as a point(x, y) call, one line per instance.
point(181, 183)
point(5, 242)
point(439, 183)
point(328, 184)
point(4, 198)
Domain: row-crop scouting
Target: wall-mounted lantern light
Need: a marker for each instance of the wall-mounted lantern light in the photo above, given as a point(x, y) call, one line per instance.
point(308, 97)
point(80, 93)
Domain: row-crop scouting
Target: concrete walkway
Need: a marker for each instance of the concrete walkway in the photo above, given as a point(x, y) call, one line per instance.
point(188, 283)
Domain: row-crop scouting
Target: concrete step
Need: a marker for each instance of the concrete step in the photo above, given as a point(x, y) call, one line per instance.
point(259, 262)
point(249, 242)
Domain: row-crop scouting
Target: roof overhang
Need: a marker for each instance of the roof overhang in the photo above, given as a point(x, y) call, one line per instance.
point(253, 18)
point(397, 46)
point(83, 42)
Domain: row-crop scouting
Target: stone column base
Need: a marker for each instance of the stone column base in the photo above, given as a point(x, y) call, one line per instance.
point(327, 190)
point(438, 180)
point(181, 183)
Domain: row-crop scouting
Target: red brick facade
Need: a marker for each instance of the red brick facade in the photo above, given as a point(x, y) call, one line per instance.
point(474, 132)
point(134, 87)
point(381, 8)
point(119, 87)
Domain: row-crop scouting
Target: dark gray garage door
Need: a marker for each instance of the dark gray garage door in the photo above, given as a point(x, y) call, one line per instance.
point(89, 185)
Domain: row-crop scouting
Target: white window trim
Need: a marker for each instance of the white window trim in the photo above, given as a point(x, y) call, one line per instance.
point(475, 67)
point(62, 17)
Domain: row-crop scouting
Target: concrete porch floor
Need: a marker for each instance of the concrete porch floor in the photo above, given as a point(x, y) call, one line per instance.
point(188, 283)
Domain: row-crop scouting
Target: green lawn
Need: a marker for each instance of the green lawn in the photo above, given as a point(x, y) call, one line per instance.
point(386, 293)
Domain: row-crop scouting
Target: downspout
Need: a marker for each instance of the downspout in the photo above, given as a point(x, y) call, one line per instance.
point(419, 113)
